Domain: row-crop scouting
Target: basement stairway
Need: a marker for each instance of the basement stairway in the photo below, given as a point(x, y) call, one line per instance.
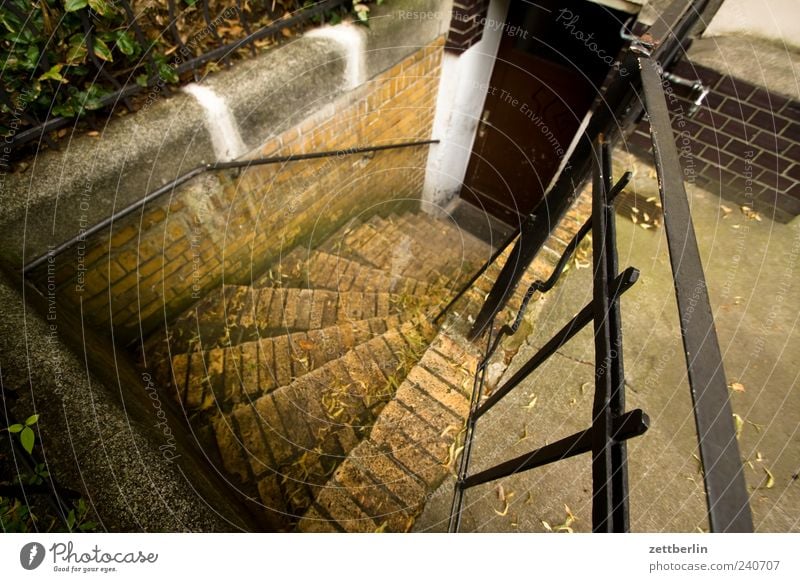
point(323, 392)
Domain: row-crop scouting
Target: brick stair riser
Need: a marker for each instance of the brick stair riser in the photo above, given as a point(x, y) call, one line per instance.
point(247, 314)
point(289, 442)
point(223, 377)
point(321, 270)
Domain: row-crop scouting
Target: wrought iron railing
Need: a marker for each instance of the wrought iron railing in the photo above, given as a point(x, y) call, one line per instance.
point(618, 107)
point(611, 425)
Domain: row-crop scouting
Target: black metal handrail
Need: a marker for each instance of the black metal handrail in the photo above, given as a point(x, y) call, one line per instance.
point(545, 286)
point(123, 93)
point(611, 425)
point(723, 472)
point(193, 173)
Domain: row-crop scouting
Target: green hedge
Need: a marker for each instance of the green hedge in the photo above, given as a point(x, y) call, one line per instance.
point(47, 70)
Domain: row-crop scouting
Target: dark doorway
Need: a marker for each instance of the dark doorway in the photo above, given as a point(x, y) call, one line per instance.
point(550, 64)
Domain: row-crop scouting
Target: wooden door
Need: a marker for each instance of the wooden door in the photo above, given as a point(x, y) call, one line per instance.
point(535, 102)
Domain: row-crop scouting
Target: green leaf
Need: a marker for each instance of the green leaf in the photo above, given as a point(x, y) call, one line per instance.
point(27, 437)
point(14, 428)
point(71, 519)
point(75, 5)
point(77, 50)
point(64, 110)
point(34, 418)
point(99, 6)
point(167, 73)
point(31, 57)
point(102, 51)
point(125, 43)
point(141, 80)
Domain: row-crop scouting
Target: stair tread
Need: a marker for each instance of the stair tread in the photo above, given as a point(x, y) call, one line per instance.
point(294, 437)
point(323, 270)
point(224, 376)
point(241, 313)
point(409, 450)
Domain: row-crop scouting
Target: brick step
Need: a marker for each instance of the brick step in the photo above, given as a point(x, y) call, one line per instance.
point(388, 248)
point(287, 443)
point(384, 482)
point(223, 377)
point(443, 231)
point(237, 314)
point(322, 270)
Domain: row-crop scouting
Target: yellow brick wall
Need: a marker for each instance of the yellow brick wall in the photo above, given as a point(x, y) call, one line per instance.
point(230, 226)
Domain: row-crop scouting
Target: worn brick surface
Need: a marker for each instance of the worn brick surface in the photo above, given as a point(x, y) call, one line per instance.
point(162, 261)
point(409, 449)
point(293, 438)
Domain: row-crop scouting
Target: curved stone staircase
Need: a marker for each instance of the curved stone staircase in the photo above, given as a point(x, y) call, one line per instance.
point(323, 391)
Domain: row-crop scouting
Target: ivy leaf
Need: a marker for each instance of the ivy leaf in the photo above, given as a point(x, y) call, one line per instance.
point(15, 428)
point(125, 43)
point(54, 74)
point(31, 57)
point(77, 50)
point(90, 99)
point(64, 110)
point(75, 5)
point(27, 437)
point(99, 6)
point(102, 51)
point(34, 418)
point(167, 73)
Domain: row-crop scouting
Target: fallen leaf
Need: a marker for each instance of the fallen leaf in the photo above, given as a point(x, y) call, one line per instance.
point(770, 483)
point(305, 344)
point(738, 423)
point(530, 404)
point(736, 386)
